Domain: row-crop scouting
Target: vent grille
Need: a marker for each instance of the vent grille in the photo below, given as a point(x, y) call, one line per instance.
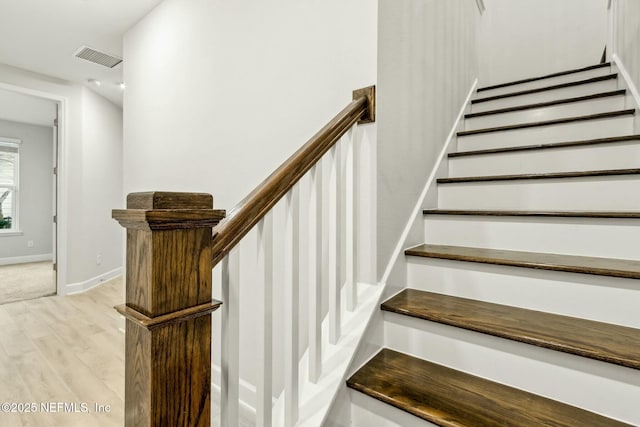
point(97, 57)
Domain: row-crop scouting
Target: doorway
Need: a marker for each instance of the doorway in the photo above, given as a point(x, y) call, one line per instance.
point(29, 137)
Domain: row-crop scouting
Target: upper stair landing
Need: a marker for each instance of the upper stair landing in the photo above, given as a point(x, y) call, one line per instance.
point(546, 80)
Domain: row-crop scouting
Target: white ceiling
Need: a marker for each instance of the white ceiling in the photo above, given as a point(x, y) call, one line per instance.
point(22, 108)
point(42, 35)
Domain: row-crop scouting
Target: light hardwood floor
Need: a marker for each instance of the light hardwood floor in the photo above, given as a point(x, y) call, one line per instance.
point(68, 350)
point(64, 349)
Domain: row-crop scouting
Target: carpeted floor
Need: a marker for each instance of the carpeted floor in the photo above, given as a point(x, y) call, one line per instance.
point(25, 281)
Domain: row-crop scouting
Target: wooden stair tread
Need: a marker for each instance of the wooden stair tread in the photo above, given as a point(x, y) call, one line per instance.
point(547, 76)
point(565, 120)
point(547, 104)
point(553, 145)
point(596, 340)
point(563, 214)
point(551, 175)
point(544, 261)
point(546, 88)
point(447, 397)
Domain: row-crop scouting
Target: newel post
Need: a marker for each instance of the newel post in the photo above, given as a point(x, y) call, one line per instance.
point(168, 308)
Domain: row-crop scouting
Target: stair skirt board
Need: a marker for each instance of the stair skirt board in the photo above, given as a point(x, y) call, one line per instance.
point(591, 129)
point(549, 79)
point(592, 237)
point(599, 298)
point(546, 96)
point(554, 112)
point(586, 193)
point(620, 155)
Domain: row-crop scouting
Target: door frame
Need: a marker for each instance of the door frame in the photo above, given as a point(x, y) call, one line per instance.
point(61, 202)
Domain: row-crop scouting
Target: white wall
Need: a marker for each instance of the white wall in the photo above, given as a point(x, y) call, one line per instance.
point(426, 66)
point(220, 93)
point(628, 37)
point(528, 38)
point(101, 185)
point(36, 193)
point(78, 221)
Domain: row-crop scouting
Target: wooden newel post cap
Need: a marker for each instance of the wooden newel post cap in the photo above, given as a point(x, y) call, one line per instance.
point(160, 210)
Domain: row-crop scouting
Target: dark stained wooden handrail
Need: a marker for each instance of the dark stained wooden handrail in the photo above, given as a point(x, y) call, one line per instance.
point(260, 201)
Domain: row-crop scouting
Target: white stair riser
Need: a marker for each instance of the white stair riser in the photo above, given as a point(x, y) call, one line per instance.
point(589, 129)
point(601, 298)
point(579, 158)
point(592, 193)
point(567, 378)
point(545, 96)
point(583, 75)
point(608, 238)
point(582, 108)
point(369, 412)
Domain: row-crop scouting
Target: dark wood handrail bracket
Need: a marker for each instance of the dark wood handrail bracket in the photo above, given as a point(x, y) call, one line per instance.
point(259, 202)
point(173, 242)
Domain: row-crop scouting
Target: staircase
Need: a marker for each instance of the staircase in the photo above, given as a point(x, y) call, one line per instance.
point(522, 307)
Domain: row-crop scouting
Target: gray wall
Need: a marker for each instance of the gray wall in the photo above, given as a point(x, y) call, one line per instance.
point(525, 38)
point(36, 193)
point(426, 67)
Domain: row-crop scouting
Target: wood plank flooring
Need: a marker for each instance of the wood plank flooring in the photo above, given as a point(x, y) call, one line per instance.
point(69, 350)
point(64, 349)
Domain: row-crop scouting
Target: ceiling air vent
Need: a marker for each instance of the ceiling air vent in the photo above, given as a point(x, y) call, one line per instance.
point(97, 57)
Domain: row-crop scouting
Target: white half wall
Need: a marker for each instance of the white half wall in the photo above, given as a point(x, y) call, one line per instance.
point(36, 193)
point(527, 38)
point(426, 64)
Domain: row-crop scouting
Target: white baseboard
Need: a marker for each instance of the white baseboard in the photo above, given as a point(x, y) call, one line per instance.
point(74, 288)
point(417, 210)
point(26, 259)
point(627, 79)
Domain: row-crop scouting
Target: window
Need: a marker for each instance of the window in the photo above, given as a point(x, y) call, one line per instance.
point(9, 190)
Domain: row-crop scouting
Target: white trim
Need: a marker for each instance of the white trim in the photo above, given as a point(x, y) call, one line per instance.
point(63, 156)
point(627, 79)
point(74, 288)
point(481, 7)
point(417, 210)
point(10, 233)
point(25, 259)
